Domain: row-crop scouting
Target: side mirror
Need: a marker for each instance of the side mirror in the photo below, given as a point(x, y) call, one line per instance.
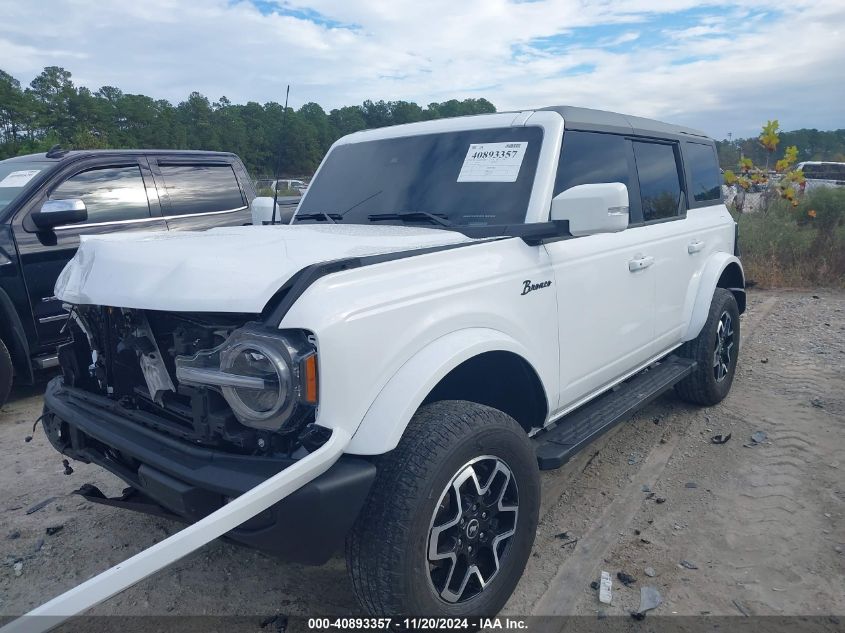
point(58, 213)
point(590, 209)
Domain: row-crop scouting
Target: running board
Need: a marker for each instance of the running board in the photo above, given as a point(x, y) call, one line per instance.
point(574, 431)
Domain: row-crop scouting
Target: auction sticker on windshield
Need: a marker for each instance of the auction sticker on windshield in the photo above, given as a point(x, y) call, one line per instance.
point(19, 178)
point(492, 162)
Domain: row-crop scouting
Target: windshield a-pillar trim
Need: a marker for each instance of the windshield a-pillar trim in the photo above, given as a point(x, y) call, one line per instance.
point(540, 202)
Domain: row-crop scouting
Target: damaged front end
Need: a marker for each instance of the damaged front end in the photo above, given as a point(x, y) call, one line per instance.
point(214, 380)
point(193, 410)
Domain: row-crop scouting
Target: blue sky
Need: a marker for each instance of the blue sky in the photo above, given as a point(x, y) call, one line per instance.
point(719, 66)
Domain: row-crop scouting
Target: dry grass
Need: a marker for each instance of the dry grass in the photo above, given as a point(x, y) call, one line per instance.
point(799, 246)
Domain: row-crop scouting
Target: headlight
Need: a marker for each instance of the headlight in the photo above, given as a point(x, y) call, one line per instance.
point(256, 360)
point(264, 375)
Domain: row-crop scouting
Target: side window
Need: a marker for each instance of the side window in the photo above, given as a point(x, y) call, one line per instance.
point(660, 184)
point(201, 188)
point(812, 171)
point(109, 193)
point(824, 171)
point(705, 180)
point(589, 158)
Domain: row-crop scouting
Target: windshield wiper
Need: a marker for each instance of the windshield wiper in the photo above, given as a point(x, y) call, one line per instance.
point(319, 215)
point(411, 215)
point(358, 204)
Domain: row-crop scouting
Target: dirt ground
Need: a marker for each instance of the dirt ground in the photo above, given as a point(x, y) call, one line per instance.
point(762, 526)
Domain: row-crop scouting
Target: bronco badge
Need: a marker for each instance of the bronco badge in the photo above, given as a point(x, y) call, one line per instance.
point(529, 287)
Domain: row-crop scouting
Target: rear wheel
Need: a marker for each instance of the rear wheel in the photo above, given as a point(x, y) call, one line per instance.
point(716, 350)
point(5, 373)
point(451, 519)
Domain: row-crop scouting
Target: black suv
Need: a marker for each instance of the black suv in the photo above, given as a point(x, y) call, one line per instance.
point(47, 201)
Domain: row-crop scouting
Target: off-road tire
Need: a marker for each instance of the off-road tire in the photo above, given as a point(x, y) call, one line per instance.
point(386, 551)
point(5, 373)
point(702, 387)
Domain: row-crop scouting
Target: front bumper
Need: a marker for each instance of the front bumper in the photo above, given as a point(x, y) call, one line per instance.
point(308, 526)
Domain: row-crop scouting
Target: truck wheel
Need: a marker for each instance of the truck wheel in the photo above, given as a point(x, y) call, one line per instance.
point(716, 349)
point(451, 518)
point(5, 373)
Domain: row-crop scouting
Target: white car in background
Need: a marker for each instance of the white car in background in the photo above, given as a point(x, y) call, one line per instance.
point(284, 184)
point(822, 174)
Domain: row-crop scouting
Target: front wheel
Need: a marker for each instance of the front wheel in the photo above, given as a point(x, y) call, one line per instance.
point(451, 518)
point(716, 350)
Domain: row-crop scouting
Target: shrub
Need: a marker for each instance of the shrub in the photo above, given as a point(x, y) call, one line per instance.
point(799, 245)
point(787, 181)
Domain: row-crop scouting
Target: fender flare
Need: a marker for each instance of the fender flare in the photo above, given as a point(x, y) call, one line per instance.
point(707, 284)
point(389, 414)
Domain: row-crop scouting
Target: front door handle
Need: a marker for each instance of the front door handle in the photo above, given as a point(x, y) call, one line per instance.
point(640, 263)
point(694, 247)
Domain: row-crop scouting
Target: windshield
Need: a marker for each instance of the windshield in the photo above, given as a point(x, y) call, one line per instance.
point(469, 178)
point(14, 176)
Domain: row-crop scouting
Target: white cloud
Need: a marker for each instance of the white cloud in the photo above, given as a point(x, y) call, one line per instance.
point(726, 67)
point(610, 42)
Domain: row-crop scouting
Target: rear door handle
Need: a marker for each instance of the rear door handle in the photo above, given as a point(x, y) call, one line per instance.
point(694, 247)
point(640, 263)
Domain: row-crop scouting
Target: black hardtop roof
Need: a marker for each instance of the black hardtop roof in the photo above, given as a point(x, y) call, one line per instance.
point(82, 153)
point(575, 118)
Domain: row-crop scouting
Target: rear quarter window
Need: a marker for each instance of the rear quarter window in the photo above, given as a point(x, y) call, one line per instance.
point(703, 170)
point(200, 188)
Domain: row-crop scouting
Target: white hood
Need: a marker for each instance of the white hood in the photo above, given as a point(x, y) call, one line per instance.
point(232, 269)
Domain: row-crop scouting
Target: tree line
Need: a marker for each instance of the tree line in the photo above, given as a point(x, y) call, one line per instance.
point(52, 110)
point(812, 145)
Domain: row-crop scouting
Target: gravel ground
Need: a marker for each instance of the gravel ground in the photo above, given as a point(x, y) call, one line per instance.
point(762, 526)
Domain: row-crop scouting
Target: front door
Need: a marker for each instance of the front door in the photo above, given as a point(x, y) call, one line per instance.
point(605, 283)
point(116, 196)
point(605, 303)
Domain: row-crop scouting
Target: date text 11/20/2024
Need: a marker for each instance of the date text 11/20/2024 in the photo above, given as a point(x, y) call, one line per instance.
point(415, 624)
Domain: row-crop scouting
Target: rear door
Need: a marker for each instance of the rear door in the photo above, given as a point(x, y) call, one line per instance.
point(683, 222)
point(199, 193)
point(119, 195)
point(666, 234)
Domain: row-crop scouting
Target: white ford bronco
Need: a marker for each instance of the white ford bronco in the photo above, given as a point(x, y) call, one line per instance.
point(456, 305)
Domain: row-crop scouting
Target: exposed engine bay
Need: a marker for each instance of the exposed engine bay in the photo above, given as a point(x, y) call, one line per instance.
point(130, 356)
